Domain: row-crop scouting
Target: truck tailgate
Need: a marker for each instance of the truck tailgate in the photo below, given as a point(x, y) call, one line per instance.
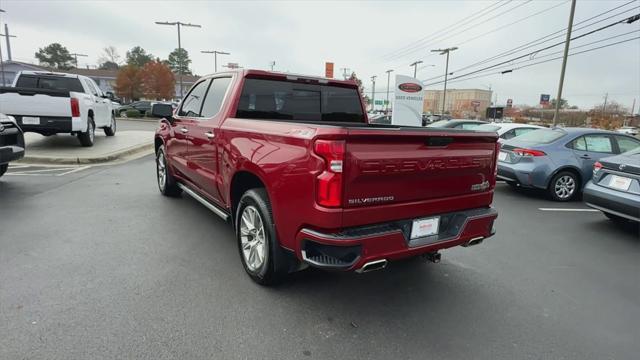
point(35, 104)
point(385, 167)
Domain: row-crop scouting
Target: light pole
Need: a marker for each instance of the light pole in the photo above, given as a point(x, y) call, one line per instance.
point(215, 57)
point(8, 36)
point(446, 73)
point(373, 92)
point(564, 62)
point(75, 56)
point(388, 79)
point(179, 24)
point(2, 62)
point(272, 64)
point(415, 67)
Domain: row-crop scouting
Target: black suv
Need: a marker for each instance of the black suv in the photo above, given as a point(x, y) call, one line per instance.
point(11, 142)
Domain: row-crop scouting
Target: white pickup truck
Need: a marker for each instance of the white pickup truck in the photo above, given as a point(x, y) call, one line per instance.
point(50, 103)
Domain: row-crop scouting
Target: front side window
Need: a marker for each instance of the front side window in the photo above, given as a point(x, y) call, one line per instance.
point(287, 100)
point(627, 144)
point(192, 104)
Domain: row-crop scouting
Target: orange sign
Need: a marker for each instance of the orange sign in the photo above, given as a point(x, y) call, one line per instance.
point(328, 69)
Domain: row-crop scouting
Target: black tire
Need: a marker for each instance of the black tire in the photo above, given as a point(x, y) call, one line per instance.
point(3, 169)
point(276, 262)
point(564, 186)
point(87, 138)
point(111, 129)
point(166, 185)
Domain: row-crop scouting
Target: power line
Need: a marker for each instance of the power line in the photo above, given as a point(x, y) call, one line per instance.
point(447, 28)
point(538, 41)
point(631, 18)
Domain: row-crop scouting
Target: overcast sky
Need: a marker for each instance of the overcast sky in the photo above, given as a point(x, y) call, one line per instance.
point(366, 37)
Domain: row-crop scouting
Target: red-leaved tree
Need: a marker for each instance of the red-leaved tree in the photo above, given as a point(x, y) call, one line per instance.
point(158, 81)
point(128, 85)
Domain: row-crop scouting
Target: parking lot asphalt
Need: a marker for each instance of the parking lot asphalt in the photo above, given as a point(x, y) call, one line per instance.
point(96, 264)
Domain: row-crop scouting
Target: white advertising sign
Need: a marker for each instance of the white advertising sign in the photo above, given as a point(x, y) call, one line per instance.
point(408, 102)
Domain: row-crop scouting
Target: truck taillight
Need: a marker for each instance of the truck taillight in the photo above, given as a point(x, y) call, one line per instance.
point(329, 182)
point(75, 107)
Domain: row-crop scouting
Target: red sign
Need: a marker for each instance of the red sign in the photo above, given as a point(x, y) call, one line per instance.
point(328, 69)
point(409, 87)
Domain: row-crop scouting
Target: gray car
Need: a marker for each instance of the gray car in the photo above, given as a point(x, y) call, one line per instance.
point(615, 187)
point(558, 160)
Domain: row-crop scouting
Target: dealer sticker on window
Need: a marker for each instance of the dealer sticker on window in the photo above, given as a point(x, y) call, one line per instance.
point(425, 227)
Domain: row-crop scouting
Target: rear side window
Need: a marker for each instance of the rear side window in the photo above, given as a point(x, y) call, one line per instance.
point(599, 143)
point(215, 95)
point(192, 104)
point(50, 83)
point(543, 136)
point(627, 144)
point(283, 100)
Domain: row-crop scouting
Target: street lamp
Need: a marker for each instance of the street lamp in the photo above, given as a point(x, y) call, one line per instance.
point(388, 79)
point(179, 24)
point(415, 67)
point(446, 72)
point(215, 57)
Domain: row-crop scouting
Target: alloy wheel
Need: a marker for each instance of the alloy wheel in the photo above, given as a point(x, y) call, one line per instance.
point(161, 167)
point(565, 186)
point(252, 238)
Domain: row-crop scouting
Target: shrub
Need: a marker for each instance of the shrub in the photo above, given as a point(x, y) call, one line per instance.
point(148, 114)
point(133, 113)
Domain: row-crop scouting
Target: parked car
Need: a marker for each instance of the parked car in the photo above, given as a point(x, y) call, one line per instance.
point(11, 142)
point(508, 131)
point(559, 160)
point(380, 119)
point(142, 106)
point(465, 124)
point(615, 186)
point(293, 164)
point(629, 130)
point(50, 103)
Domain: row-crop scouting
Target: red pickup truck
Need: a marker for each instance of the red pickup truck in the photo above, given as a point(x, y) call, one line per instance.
point(292, 162)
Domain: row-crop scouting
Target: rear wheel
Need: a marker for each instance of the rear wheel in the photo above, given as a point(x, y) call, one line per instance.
point(166, 182)
point(111, 129)
point(260, 252)
point(87, 138)
point(3, 169)
point(563, 186)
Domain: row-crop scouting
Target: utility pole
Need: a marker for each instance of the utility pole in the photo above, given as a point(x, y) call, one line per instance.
point(2, 62)
point(633, 106)
point(75, 56)
point(373, 93)
point(272, 64)
point(564, 63)
point(7, 36)
point(388, 79)
point(446, 73)
point(344, 72)
point(215, 57)
point(179, 24)
point(604, 106)
point(415, 67)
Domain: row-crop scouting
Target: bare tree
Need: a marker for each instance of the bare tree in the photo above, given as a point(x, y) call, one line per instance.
point(109, 54)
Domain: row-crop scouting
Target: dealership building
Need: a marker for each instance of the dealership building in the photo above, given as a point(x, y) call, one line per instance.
point(461, 103)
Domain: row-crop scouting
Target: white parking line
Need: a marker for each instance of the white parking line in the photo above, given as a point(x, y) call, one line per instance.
point(74, 170)
point(568, 209)
point(44, 170)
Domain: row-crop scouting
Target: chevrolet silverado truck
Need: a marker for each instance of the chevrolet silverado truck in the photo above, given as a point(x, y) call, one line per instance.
point(50, 103)
point(292, 162)
point(11, 142)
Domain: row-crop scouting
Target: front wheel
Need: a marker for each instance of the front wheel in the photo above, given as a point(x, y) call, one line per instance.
point(111, 129)
point(564, 186)
point(262, 257)
point(166, 182)
point(87, 138)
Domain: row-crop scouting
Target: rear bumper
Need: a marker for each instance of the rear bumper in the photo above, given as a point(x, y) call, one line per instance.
point(49, 125)
point(526, 174)
point(616, 202)
point(351, 248)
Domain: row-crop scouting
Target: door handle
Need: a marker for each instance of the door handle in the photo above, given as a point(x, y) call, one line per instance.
point(585, 156)
point(210, 135)
point(184, 130)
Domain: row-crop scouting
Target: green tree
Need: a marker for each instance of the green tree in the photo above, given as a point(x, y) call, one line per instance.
point(109, 65)
point(179, 61)
point(55, 56)
point(563, 103)
point(137, 56)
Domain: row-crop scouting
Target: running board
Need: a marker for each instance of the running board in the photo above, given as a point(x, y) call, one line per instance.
point(214, 208)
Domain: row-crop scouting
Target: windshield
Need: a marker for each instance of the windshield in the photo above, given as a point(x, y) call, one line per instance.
point(542, 136)
point(487, 127)
point(274, 99)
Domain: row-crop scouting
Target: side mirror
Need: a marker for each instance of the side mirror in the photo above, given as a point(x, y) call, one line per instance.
point(162, 111)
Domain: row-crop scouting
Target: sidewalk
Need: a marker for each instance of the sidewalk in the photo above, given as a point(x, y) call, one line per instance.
point(66, 149)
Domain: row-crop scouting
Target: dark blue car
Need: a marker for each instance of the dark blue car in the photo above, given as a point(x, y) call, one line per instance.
point(559, 160)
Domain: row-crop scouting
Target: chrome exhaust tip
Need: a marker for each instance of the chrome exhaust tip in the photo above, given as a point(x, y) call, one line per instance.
point(372, 266)
point(474, 241)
